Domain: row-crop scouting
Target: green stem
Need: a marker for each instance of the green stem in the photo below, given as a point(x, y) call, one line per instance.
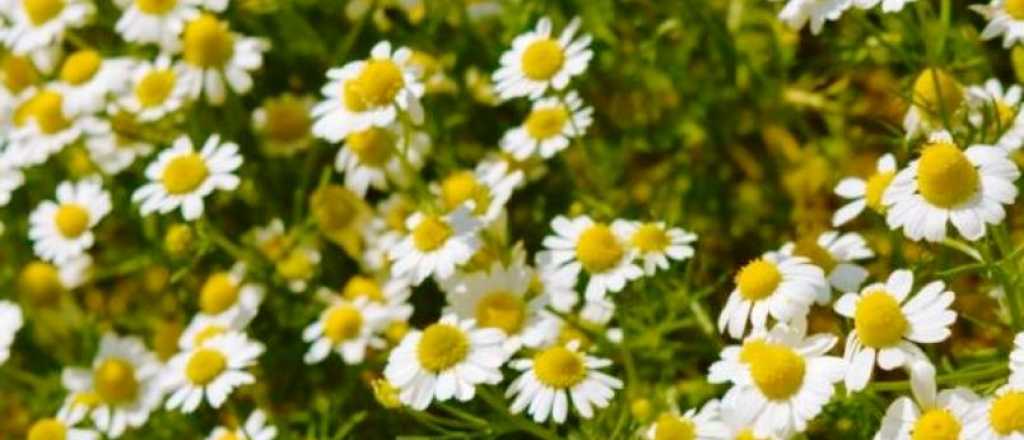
point(993, 371)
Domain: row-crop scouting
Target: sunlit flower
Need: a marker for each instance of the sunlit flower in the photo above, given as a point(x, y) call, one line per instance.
point(182, 177)
point(537, 61)
point(997, 417)
point(347, 328)
point(47, 429)
point(211, 371)
point(999, 112)
point(11, 178)
point(656, 244)
point(86, 79)
point(1006, 18)
point(341, 216)
point(797, 13)
point(11, 321)
point(231, 296)
point(255, 428)
point(42, 127)
point(44, 283)
point(285, 124)
point(213, 54)
point(600, 250)
point(704, 424)
point(485, 190)
point(558, 283)
point(865, 193)
point(61, 230)
point(38, 25)
point(114, 142)
point(554, 374)
point(393, 293)
point(435, 245)
point(776, 285)
point(203, 327)
point(931, 414)
point(552, 123)
point(154, 21)
point(837, 254)
point(936, 97)
point(377, 156)
point(156, 89)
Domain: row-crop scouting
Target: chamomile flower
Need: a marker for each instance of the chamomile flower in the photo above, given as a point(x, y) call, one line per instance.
point(781, 378)
point(285, 124)
point(202, 327)
point(157, 89)
point(44, 283)
point(552, 375)
point(392, 293)
point(602, 251)
point(865, 193)
point(211, 371)
point(369, 93)
point(537, 61)
point(435, 245)
point(703, 424)
point(447, 359)
point(38, 25)
point(213, 54)
point(62, 229)
point(998, 417)
point(656, 244)
point(181, 177)
point(935, 95)
point(124, 380)
point(42, 128)
point(298, 266)
point(558, 283)
point(230, 295)
point(999, 110)
point(837, 254)
point(946, 184)
point(347, 328)
point(86, 79)
point(1006, 18)
point(552, 123)
point(379, 156)
point(797, 13)
point(154, 21)
point(776, 285)
point(11, 178)
point(55, 428)
point(930, 415)
point(886, 324)
point(11, 321)
point(484, 190)
point(113, 143)
point(888, 6)
point(255, 428)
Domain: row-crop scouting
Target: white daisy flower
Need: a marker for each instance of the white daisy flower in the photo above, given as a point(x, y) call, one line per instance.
point(86, 79)
point(936, 97)
point(369, 93)
point(552, 123)
point(213, 54)
point(781, 378)
point(1017, 360)
point(1006, 18)
point(376, 156)
point(656, 244)
point(558, 283)
point(602, 251)
point(997, 417)
point(931, 414)
point(738, 428)
point(11, 321)
point(202, 327)
point(182, 177)
point(347, 328)
point(255, 428)
point(999, 110)
point(230, 296)
point(435, 245)
point(537, 61)
point(212, 370)
point(705, 424)
point(797, 13)
point(157, 88)
point(154, 21)
point(554, 374)
point(887, 324)
point(61, 230)
point(125, 381)
point(888, 6)
point(11, 178)
point(392, 293)
point(775, 285)
point(38, 25)
point(865, 193)
point(285, 124)
point(837, 254)
point(44, 128)
point(447, 359)
point(55, 428)
point(967, 188)
point(484, 190)
point(112, 142)
point(51, 280)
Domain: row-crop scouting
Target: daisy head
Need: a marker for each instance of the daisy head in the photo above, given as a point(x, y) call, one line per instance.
point(181, 177)
point(11, 321)
point(380, 156)
point(62, 229)
point(447, 359)
point(154, 21)
point(556, 282)
point(227, 294)
point(44, 284)
point(485, 190)
point(552, 123)
point(435, 245)
point(347, 328)
point(1005, 18)
point(156, 89)
point(42, 127)
point(284, 122)
point(838, 255)
point(705, 424)
point(255, 428)
point(930, 415)
point(998, 417)
point(935, 97)
point(602, 251)
point(798, 13)
point(341, 215)
point(213, 54)
point(655, 244)
point(538, 61)
point(114, 142)
point(863, 193)
point(41, 24)
point(86, 79)
point(887, 322)
point(57, 429)
point(211, 371)
point(203, 327)
point(997, 110)
point(370, 92)
point(775, 285)
point(383, 290)
point(947, 184)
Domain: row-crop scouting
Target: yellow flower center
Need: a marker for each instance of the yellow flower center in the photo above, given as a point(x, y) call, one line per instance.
point(376, 86)
point(41, 282)
point(208, 333)
point(503, 310)
point(155, 7)
point(343, 322)
point(80, 66)
point(809, 248)
point(18, 73)
point(47, 109)
point(184, 174)
point(372, 146)
point(115, 381)
point(228, 436)
point(650, 238)
point(42, 11)
point(758, 280)
point(72, 220)
point(47, 429)
point(287, 120)
point(1015, 8)
point(542, 59)
point(430, 234)
point(558, 367)
point(936, 424)
point(441, 347)
point(462, 186)
point(875, 189)
point(88, 398)
point(936, 92)
point(547, 122)
point(295, 266)
point(362, 287)
point(204, 366)
point(945, 177)
point(219, 293)
point(154, 88)
point(747, 434)
point(777, 370)
point(879, 321)
point(208, 42)
point(1007, 414)
point(670, 427)
point(598, 249)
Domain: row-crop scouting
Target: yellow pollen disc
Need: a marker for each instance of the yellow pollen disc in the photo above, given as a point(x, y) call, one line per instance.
point(1015, 8)
point(88, 398)
point(362, 287)
point(155, 7)
point(342, 323)
point(747, 434)
point(208, 42)
point(42, 11)
point(372, 146)
point(351, 96)
point(758, 280)
point(80, 66)
point(47, 429)
point(879, 321)
point(819, 256)
point(546, 122)
point(219, 293)
point(376, 86)
point(204, 366)
point(18, 73)
point(1005, 114)
point(72, 220)
point(777, 370)
point(208, 332)
point(650, 238)
point(115, 381)
point(936, 424)
point(945, 177)
point(41, 282)
point(875, 189)
point(228, 436)
point(542, 59)
point(441, 347)
point(936, 91)
point(558, 367)
point(184, 174)
point(295, 266)
point(287, 120)
point(462, 186)
point(154, 88)
point(670, 427)
point(598, 249)
point(501, 310)
point(47, 109)
point(430, 234)
point(1007, 414)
